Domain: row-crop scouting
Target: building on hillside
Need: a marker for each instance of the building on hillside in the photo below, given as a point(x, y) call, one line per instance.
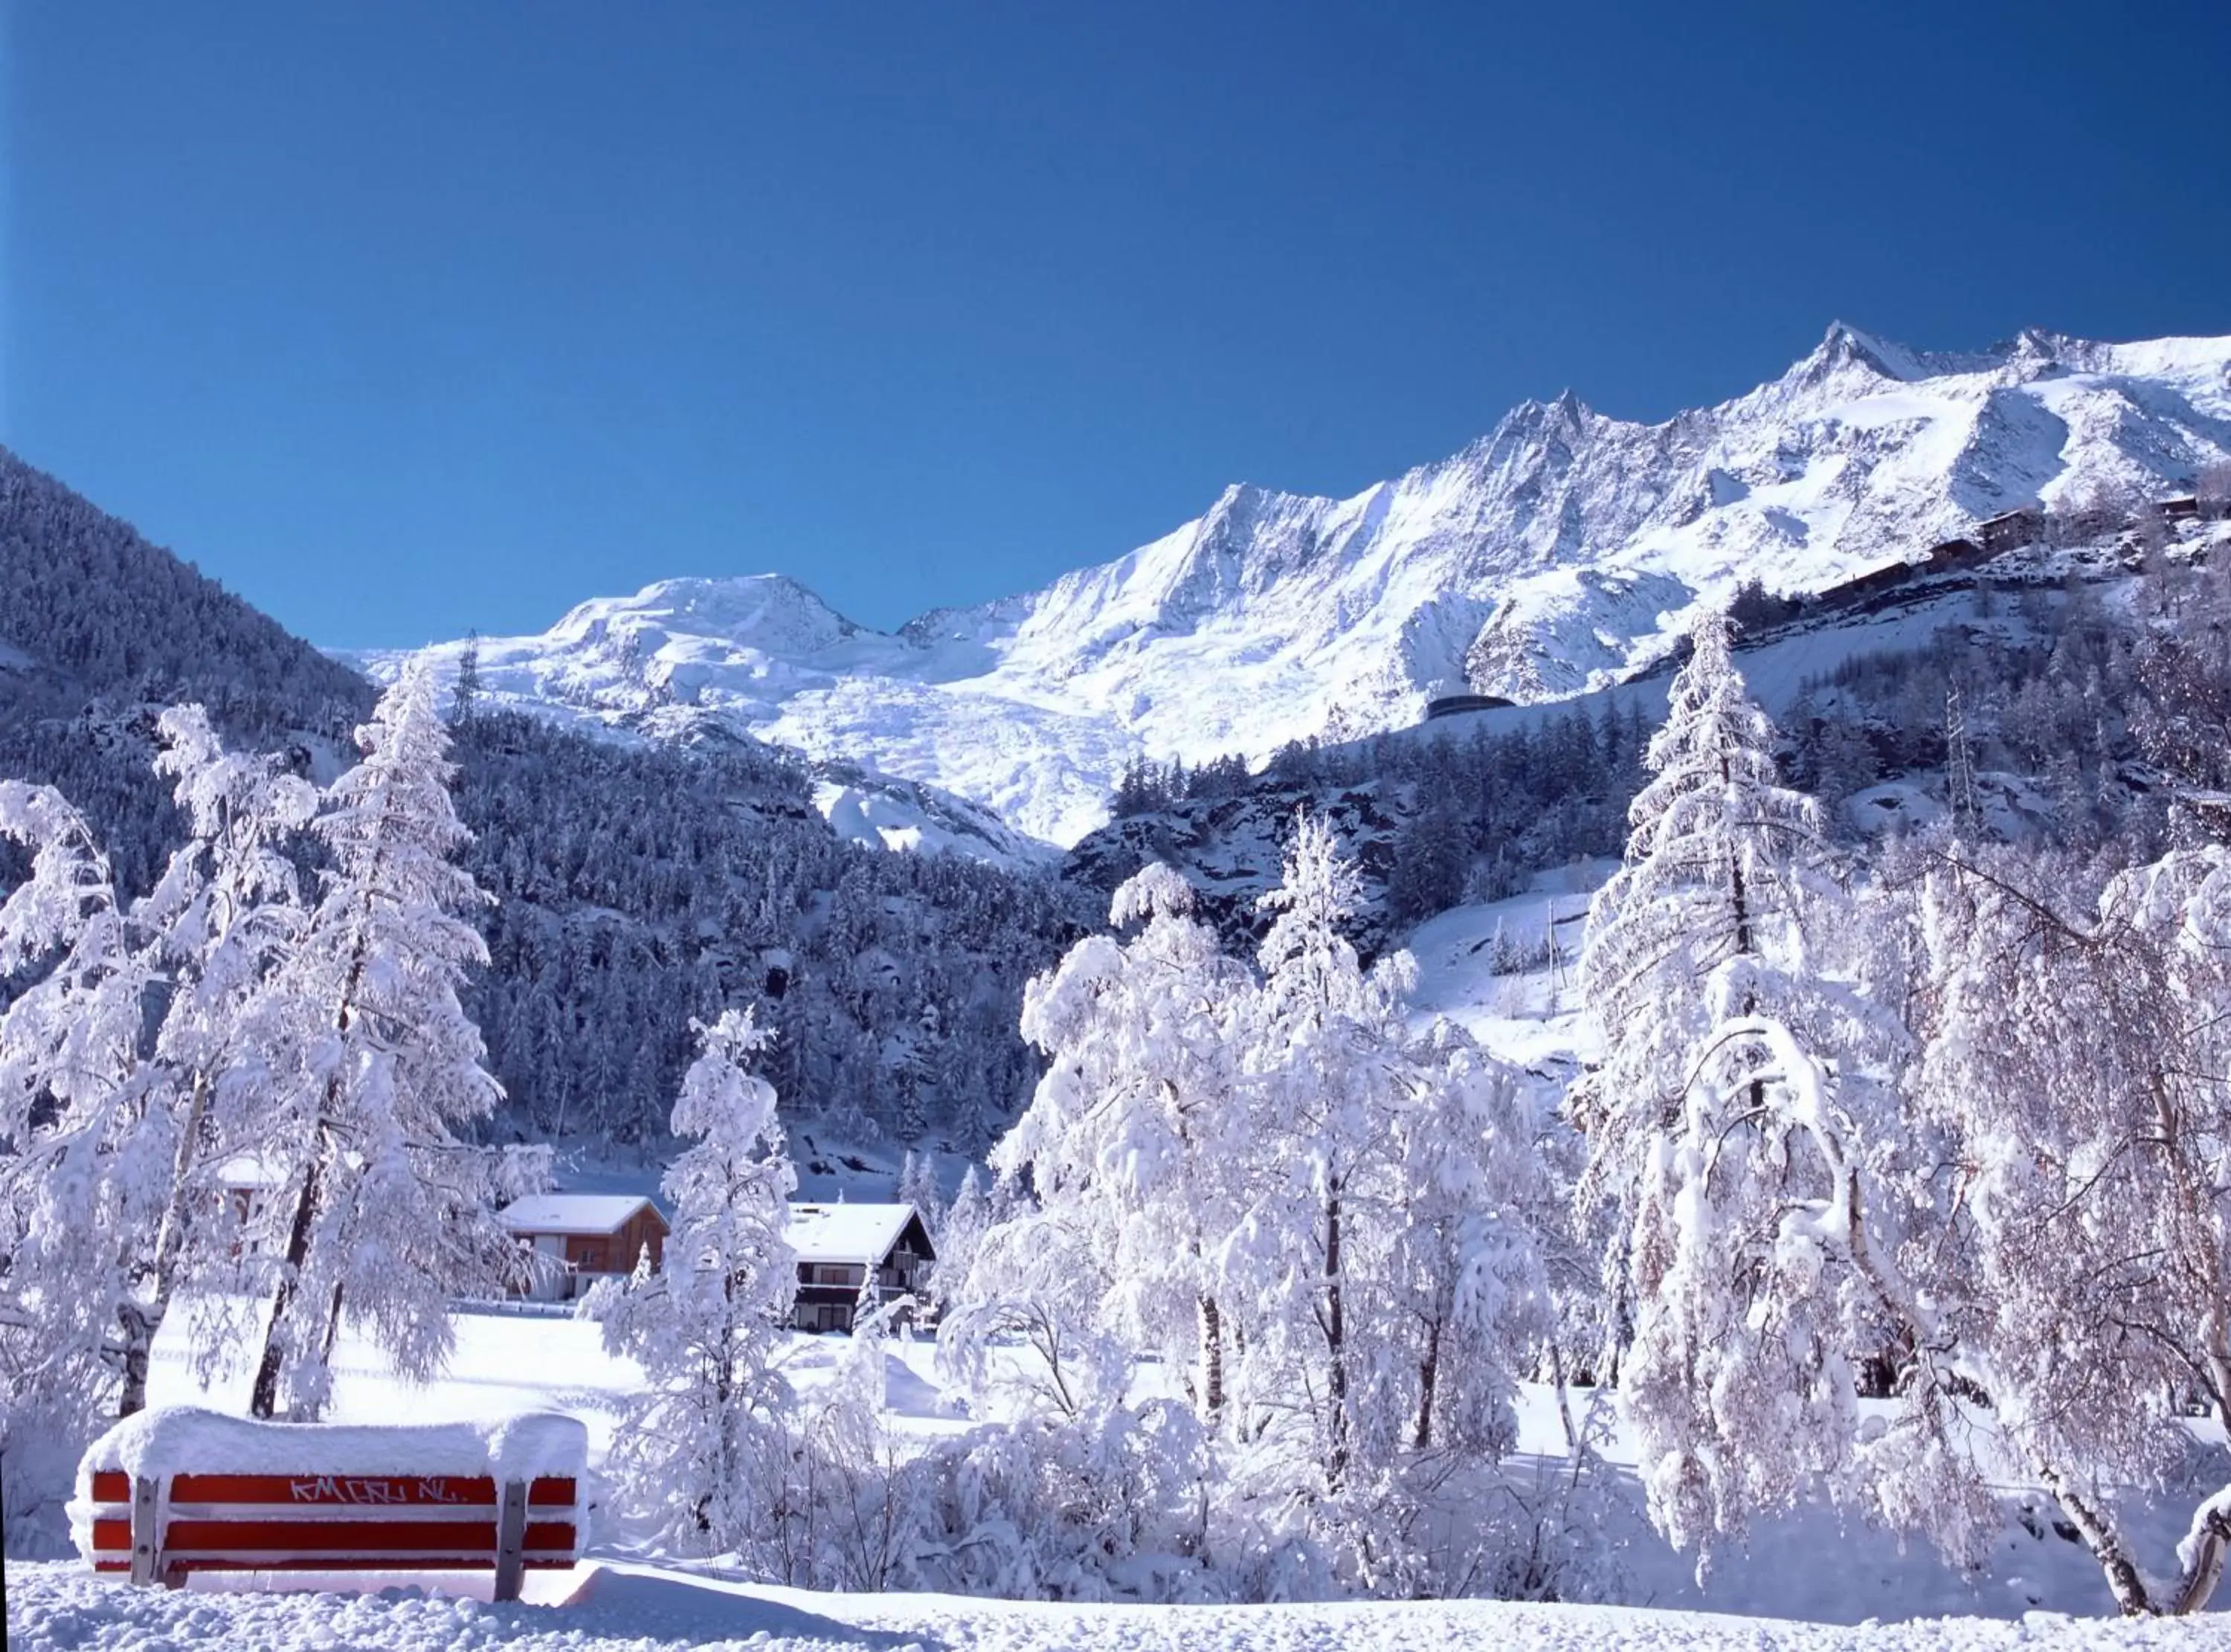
point(848, 1255)
point(579, 1238)
point(2011, 530)
point(1455, 705)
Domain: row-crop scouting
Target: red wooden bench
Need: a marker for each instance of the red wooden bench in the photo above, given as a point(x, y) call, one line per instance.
point(158, 1520)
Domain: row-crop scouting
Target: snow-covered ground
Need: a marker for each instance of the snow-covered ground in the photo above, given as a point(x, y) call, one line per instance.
point(621, 1608)
point(1810, 1567)
point(1504, 971)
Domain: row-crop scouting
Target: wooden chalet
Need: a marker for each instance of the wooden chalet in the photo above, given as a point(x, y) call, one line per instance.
point(848, 1255)
point(579, 1238)
point(2010, 530)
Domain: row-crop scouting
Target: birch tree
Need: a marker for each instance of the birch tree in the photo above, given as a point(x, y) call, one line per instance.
point(1132, 1137)
point(73, 1097)
point(109, 1059)
point(1393, 1288)
point(2078, 1068)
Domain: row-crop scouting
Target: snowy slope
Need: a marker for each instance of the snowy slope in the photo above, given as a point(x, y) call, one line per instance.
point(1550, 557)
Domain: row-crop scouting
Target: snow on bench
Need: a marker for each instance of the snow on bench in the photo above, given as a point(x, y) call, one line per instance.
point(179, 1489)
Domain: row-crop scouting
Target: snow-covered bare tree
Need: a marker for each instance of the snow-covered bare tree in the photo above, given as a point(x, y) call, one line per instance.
point(1131, 1140)
point(1325, 1037)
point(74, 1099)
point(1385, 1277)
point(2078, 1071)
point(1469, 1289)
point(108, 1060)
point(364, 1069)
point(227, 908)
point(704, 1328)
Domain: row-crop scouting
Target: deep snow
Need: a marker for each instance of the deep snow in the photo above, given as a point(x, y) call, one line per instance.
point(635, 1608)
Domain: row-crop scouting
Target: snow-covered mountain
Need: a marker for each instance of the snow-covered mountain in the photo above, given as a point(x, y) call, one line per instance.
point(1556, 554)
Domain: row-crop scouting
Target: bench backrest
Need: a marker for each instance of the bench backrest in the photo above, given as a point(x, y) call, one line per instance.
point(160, 1530)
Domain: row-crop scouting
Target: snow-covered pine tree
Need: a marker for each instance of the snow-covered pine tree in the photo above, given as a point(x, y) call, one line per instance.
point(962, 1230)
point(1431, 852)
point(704, 1326)
point(365, 1068)
point(918, 1185)
point(1731, 1125)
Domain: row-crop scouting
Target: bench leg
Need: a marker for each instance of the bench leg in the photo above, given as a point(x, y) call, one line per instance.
point(511, 1540)
point(147, 1536)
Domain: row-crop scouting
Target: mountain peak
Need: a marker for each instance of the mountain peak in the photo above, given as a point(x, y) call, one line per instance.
point(1845, 346)
point(770, 610)
point(1554, 555)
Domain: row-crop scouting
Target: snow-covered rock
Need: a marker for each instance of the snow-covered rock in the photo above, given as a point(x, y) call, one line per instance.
point(1554, 555)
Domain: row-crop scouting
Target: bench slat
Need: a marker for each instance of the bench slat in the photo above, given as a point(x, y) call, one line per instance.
point(427, 1562)
point(184, 1537)
point(375, 1537)
point(369, 1491)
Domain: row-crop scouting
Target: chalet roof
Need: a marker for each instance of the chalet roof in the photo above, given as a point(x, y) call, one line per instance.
point(247, 1170)
point(847, 1233)
point(587, 1214)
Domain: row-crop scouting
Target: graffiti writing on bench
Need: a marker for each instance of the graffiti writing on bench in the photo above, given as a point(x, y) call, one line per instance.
point(335, 1489)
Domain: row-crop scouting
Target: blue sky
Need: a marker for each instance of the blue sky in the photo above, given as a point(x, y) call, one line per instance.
point(403, 318)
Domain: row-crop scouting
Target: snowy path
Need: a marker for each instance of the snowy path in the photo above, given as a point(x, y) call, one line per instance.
point(59, 1608)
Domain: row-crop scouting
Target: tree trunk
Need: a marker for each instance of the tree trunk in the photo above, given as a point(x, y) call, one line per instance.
point(263, 1402)
point(2212, 1534)
point(141, 1324)
point(1564, 1402)
point(1429, 1373)
point(1211, 1361)
point(332, 1327)
point(2125, 1581)
point(1742, 944)
point(1335, 1343)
